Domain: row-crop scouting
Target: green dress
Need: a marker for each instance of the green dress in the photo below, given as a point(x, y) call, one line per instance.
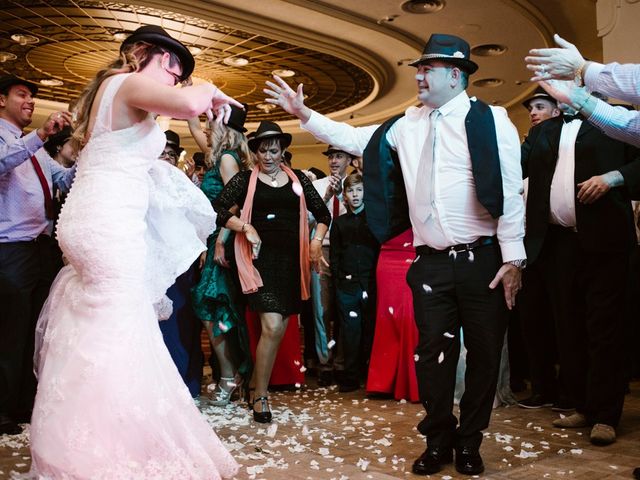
point(217, 297)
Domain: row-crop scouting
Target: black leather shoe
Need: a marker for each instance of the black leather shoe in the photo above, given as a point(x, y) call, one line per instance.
point(431, 460)
point(325, 378)
point(265, 415)
point(469, 461)
point(8, 426)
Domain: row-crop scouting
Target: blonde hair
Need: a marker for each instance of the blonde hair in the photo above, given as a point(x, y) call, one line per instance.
point(132, 58)
point(223, 138)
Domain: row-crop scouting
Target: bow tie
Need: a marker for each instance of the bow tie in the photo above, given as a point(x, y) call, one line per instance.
point(570, 118)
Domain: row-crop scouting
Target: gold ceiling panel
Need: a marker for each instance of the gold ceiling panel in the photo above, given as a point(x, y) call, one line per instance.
point(76, 38)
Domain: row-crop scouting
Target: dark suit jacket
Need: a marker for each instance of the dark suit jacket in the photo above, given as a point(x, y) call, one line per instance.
point(603, 226)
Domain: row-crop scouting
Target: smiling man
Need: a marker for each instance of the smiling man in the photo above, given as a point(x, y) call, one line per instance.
point(451, 167)
point(541, 106)
point(27, 258)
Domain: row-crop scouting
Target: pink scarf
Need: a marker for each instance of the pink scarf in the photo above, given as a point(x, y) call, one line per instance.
point(250, 279)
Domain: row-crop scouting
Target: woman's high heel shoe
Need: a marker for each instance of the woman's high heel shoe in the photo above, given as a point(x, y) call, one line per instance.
point(221, 397)
point(265, 415)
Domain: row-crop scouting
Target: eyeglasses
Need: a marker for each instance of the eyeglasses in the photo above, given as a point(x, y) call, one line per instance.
point(176, 77)
point(170, 154)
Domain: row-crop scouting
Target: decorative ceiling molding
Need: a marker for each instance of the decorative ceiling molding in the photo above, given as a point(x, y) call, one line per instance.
point(608, 11)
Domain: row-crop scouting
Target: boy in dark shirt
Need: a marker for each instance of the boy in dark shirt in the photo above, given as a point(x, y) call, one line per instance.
point(353, 256)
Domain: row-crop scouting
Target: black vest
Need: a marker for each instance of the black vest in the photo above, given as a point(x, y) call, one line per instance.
point(386, 197)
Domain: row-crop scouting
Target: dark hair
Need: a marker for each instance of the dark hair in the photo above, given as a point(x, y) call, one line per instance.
point(54, 142)
point(268, 142)
point(351, 180)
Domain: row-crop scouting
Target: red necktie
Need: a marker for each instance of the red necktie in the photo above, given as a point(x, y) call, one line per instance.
point(336, 207)
point(48, 202)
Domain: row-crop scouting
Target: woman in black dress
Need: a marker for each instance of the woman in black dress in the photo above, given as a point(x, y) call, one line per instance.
point(275, 253)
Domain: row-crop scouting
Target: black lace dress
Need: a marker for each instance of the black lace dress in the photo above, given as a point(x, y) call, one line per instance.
point(276, 217)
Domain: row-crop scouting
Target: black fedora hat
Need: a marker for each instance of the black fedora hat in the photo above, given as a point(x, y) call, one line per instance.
point(265, 130)
point(332, 149)
point(8, 81)
point(539, 93)
point(57, 140)
point(238, 117)
point(198, 159)
point(448, 49)
point(156, 35)
point(173, 140)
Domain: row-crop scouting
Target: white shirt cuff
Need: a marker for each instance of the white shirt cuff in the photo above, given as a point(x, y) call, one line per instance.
point(592, 73)
point(513, 251)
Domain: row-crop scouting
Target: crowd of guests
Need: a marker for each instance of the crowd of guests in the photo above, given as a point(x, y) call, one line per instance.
point(296, 245)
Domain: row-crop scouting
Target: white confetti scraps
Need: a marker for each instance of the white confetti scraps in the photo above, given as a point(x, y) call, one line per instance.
point(453, 253)
point(471, 258)
point(441, 357)
point(271, 431)
point(353, 314)
point(271, 216)
point(365, 295)
point(223, 327)
point(297, 385)
point(363, 464)
point(417, 258)
point(313, 464)
point(448, 335)
point(348, 277)
point(391, 310)
point(416, 357)
point(296, 362)
point(576, 451)
point(303, 369)
point(525, 454)
point(409, 260)
point(406, 244)
point(427, 288)
point(331, 344)
point(297, 188)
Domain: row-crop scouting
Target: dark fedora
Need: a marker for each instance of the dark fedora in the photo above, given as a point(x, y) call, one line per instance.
point(539, 93)
point(57, 140)
point(156, 35)
point(173, 140)
point(266, 130)
point(238, 117)
point(198, 159)
point(8, 81)
point(332, 149)
point(448, 49)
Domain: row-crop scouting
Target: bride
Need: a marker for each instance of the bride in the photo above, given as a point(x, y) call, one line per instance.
point(110, 402)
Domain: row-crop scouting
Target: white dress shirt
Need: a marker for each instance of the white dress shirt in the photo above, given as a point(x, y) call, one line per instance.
point(562, 210)
point(458, 217)
point(321, 186)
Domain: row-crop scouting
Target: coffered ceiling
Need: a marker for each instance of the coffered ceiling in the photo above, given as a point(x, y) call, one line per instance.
point(351, 55)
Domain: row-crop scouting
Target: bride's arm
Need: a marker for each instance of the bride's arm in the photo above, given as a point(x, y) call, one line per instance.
point(142, 92)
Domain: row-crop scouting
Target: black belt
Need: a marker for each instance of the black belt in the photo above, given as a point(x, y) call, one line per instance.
point(560, 228)
point(462, 247)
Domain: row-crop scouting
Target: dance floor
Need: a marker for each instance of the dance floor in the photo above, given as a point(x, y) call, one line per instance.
point(319, 433)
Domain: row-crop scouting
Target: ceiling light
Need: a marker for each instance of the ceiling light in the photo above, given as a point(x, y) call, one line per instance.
point(284, 73)
point(51, 82)
point(24, 39)
point(195, 50)
point(120, 36)
point(235, 61)
point(489, 50)
point(488, 82)
point(7, 56)
point(266, 107)
point(423, 6)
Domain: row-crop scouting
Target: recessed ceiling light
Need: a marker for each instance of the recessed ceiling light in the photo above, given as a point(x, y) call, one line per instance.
point(7, 57)
point(120, 36)
point(195, 50)
point(283, 72)
point(236, 61)
point(489, 50)
point(51, 82)
point(24, 39)
point(488, 82)
point(266, 107)
point(423, 6)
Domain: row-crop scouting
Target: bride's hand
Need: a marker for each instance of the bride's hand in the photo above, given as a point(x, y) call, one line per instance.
point(221, 106)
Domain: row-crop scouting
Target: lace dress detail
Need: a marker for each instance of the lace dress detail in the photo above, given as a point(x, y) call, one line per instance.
point(110, 402)
point(275, 216)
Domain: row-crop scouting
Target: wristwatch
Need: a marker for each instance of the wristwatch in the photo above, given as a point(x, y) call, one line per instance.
point(520, 264)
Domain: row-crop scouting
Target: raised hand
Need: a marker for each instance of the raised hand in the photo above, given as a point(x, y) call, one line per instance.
point(221, 106)
point(560, 63)
point(286, 98)
point(53, 124)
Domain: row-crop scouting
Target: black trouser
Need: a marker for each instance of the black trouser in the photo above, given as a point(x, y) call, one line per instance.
point(587, 292)
point(449, 293)
point(357, 315)
point(539, 330)
point(27, 270)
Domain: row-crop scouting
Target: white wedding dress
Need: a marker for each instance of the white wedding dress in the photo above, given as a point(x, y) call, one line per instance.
point(110, 402)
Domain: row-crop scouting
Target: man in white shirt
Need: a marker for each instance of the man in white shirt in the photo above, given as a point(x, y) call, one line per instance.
point(323, 292)
point(461, 175)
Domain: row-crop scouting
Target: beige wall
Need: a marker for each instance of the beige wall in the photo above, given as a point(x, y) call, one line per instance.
point(618, 22)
